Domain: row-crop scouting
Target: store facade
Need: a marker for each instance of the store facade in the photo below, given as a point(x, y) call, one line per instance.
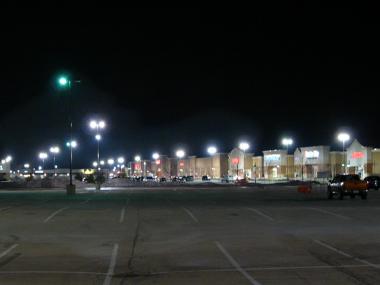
point(240, 164)
point(275, 162)
point(337, 162)
point(359, 159)
point(312, 162)
point(376, 161)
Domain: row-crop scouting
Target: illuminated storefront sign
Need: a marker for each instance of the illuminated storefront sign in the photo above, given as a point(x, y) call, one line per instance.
point(311, 153)
point(235, 161)
point(181, 164)
point(272, 157)
point(158, 162)
point(357, 154)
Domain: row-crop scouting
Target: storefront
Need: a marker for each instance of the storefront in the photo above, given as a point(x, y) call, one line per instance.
point(275, 162)
point(359, 159)
point(240, 164)
point(376, 161)
point(337, 162)
point(258, 169)
point(5, 169)
point(312, 162)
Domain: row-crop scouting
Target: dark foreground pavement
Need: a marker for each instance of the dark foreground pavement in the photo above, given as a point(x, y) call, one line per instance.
point(188, 236)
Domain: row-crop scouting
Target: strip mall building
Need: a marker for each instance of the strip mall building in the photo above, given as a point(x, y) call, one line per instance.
point(313, 162)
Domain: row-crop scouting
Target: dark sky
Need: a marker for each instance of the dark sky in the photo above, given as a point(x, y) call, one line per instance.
point(159, 87)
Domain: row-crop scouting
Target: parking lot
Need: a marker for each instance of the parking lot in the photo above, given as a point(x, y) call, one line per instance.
point(188, 235)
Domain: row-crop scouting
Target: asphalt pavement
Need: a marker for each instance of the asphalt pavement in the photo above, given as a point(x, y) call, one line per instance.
point(188, 235)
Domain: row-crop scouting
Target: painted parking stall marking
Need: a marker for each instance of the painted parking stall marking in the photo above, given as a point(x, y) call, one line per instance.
point(236, 264)
point(329, 213)
point(54, 214)
point(8, 250)
point(111, 268)
point(367, 263)
point(122, 215)
point(5, 209)
point(192, 216)
point(258, 212)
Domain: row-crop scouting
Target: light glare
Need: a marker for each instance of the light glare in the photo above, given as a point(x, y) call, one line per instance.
point(343, 137)
point(287, 141)
point(43, 155)
point(155, 156)
point(180, 153)
point(212, 150)
point(244, 146)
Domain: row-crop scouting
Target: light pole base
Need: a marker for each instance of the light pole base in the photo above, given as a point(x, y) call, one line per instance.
point(70, 189)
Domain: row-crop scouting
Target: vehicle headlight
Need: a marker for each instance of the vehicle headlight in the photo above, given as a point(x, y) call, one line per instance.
point(341, 183)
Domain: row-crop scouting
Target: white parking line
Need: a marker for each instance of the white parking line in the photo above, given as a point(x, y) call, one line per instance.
point(329, 213)
point(191, 214)
point(346, 254)
point(54, 214)
point(53, 272)
point(333, 248)
point(280, 268)
point(85, 202)
point(122, 214)
point(4, 209)
point(111, 268)
point(4, 253)
point(260, 214)
point(236, 264)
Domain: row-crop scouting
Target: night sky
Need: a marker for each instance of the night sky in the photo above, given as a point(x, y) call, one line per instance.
point(160, 87)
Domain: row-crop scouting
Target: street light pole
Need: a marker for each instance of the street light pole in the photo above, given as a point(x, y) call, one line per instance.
point(244, 146)
point(212, 150)
point(343, 137)
point(97, 125)
point(287, 142)
point(71, 136)
point(65, 82)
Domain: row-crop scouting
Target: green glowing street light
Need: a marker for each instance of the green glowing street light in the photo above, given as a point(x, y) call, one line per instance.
point(63, 81)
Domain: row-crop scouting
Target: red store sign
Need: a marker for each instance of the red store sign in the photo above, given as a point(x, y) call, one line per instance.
point(357, 154)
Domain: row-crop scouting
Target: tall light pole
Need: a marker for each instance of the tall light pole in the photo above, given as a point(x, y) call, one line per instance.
point(137, 159)
point(211, 151)
point(180, 154)
point(244, 146)
point(97, 125)
point(65, 83)
point(43, 156)
point(287, 142)
point(71, 144)
point(54, 150)
point(120, 161)
point(156, 156)
point(343, 137)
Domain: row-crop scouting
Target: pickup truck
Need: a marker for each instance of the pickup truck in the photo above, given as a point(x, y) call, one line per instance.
point(347, 185)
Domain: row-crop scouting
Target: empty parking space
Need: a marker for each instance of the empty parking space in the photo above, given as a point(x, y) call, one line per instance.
point(202, 236)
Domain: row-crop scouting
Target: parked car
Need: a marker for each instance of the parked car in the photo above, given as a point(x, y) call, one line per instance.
point(162, 179)
point(189, 178)
point(227, 179)
point(373, 182)
point(347, 185)
point(205, 178)
point(182, 179)
point(177, 179)
point(241, 182)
